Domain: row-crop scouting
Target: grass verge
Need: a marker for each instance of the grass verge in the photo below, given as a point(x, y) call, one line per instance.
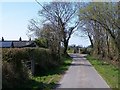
point(49, 80)
point(108, 71)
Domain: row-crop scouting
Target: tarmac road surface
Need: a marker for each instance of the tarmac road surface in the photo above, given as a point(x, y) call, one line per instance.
point(81, 74)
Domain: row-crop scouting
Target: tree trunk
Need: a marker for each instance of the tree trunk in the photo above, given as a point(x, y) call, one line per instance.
point(65, 47)
point(91, 41)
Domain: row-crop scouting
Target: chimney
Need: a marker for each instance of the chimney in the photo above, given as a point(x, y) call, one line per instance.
point(29, 39)
point(20, 39)
point(2, 39)
point(12, 45)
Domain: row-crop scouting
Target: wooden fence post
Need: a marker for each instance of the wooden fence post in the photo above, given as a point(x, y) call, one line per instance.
point(32, 62)
point(0, 69)
point(32, 66)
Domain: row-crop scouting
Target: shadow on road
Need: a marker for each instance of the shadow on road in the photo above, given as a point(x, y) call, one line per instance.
point(77, 64)
point(77, 55)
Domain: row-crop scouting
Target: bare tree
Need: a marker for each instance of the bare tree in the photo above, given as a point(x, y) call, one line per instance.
point(62, 15)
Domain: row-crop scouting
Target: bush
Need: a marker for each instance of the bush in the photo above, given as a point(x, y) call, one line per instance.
point(42, 42)
point(44, 60)
point(85, 50)
point(15, 72)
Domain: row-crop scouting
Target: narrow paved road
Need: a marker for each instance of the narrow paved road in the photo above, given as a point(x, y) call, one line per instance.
point(81, 74)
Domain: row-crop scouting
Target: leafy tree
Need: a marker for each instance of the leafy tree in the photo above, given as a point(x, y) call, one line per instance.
point(100, 21)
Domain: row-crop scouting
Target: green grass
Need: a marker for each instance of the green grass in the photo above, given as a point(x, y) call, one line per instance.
point(108, 71)
point(50, 78)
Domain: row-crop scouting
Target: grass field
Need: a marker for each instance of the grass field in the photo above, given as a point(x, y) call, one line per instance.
point(50, 78)
point(109, 72)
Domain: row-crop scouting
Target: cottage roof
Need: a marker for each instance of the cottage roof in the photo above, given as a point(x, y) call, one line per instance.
point(16, 44)
point(21, 43)
point(6, 44)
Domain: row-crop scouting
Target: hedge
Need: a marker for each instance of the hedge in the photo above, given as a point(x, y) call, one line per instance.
point(14, 70)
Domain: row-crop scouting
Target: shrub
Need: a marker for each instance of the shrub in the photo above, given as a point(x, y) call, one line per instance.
point(44, 60)
point(14, 69)
point(42, 42)
point(85, 50)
